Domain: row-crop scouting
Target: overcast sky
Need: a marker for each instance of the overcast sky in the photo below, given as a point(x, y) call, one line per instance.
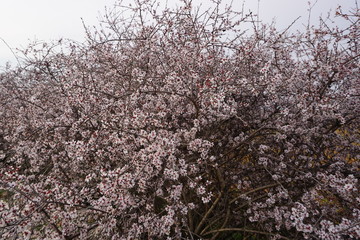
point(23, 21)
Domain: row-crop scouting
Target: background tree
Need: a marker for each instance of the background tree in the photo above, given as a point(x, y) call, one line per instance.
point(175, 124)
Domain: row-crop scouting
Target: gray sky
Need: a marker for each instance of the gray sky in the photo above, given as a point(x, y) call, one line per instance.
point(23, 21)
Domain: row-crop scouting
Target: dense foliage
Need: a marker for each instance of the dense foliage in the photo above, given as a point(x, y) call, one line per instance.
point(174, 124)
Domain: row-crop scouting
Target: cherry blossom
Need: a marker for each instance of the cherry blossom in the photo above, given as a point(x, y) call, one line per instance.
point(179, 124)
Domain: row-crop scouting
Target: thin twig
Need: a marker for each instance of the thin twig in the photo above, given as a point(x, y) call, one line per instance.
point(246, 230)
point(208, 213)
point(255, 190)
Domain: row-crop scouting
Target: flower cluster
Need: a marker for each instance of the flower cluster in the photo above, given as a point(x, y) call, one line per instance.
point(174, 125)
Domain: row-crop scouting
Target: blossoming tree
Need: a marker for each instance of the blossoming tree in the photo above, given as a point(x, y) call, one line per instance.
point(174, 124)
